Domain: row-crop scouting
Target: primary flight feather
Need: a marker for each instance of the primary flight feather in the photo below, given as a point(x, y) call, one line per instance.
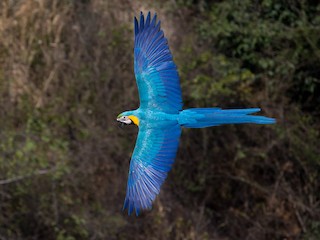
point(160, 115)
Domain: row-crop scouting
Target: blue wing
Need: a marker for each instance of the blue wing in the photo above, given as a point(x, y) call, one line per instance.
point(151, 160)
point(156, 74)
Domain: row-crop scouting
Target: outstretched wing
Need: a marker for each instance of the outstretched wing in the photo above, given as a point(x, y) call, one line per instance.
point(156, 74)
point(152, 159)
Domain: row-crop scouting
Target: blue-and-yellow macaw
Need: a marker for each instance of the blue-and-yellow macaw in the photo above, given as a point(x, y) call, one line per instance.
point(160, 115)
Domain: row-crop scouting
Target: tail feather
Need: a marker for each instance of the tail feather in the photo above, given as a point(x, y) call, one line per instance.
point(208, 117)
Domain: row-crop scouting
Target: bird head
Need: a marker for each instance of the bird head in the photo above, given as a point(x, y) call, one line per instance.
point(126, 118)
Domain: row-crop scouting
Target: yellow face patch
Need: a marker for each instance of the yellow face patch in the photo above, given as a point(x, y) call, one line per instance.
point(134, 119)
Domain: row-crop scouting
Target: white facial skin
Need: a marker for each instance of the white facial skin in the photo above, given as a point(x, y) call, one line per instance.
point(124, 119)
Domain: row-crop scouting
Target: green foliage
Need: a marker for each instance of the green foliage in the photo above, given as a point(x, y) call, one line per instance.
point(275, 40)
point(313, 231)
point(250, 54)
point(228, 79)
point(52, 118)
point(34, 149)
point(66, 71)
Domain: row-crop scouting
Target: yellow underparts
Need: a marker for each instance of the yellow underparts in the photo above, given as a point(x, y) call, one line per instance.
point(134, 119)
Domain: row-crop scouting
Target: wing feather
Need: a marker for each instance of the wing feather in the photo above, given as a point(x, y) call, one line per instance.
point(152, 159)
point(156, 74)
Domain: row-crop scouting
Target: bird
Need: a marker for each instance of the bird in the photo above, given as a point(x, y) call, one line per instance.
point(161, 117)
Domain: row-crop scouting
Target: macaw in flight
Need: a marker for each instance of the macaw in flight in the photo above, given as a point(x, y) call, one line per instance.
point(160, 116)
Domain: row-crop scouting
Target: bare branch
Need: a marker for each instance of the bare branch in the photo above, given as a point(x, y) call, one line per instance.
point(19, 178)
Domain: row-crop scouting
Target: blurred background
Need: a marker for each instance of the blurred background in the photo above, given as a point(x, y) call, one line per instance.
point(66, 72)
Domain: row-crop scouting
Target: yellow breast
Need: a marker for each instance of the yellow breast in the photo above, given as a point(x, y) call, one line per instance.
point(134, 119)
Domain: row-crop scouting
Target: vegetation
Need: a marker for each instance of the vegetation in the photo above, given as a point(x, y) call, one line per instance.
point(66, 71)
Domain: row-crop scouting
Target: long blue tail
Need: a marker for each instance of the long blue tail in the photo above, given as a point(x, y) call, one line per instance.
point(208, 117)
